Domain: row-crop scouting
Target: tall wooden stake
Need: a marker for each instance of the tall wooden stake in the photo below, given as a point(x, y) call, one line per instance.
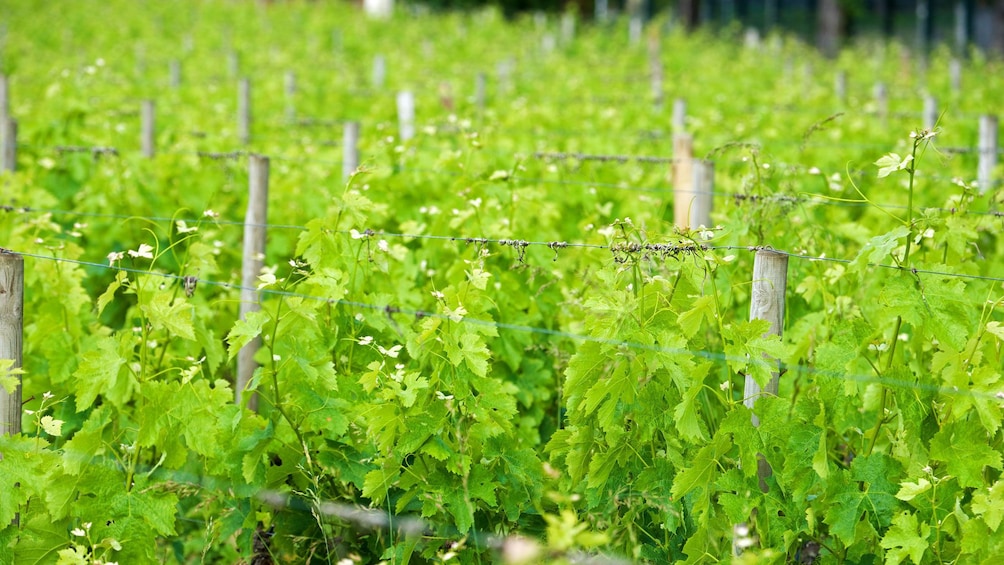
point(8, 144)
point(683, 179)
point(679, 116)
point(4, 96)
point(881, 100)
point(379, 71)
point(988, 152)
point(254, 259)
point(244, 111)
point(148, 127)
point(290, 84)
point(930, 112)
point(406, 114)
point(840, 86)
point(11, 338)
point(770, 281)
point(350, 149)
point(174, 70)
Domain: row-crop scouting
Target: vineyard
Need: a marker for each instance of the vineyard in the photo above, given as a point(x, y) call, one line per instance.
point(305, 287)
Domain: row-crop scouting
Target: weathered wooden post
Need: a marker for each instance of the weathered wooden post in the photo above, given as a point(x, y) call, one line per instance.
point(254, 258)
point(174, 70)
point(244, 111)
point(350, 149)
point(4, 96)
point(930, 112)
point(8, 144)
point(770, 281)
point(406, 115)
point(679, 116)
point(11, 338)
point(233, 64)
point(379, 71)
point(988, 152)
point(148, 129)
point(290, 88)
point(693, 181)
point(840, 86)
point(479, 91)
point(955, 75)
point(881, 100)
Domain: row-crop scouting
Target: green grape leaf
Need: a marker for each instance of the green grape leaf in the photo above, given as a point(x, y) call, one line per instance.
point(175, 316)
point(966, 452)
point(878, 248)
point(245, 330)
point(906, 538)
point(892, 162)
point(989, 503)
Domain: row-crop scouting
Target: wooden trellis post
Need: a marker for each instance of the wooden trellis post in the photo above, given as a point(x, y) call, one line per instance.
point(11, 336)
point(679, 116)
point(8, 144)
point(350, 149)
point(406, 114)
point(988, 152)
point(4, 96)
point(930, 112)
point(693, 185)
point(254, 258)
point(174, 70)
point(244, 111)
point(379, 71)
point(770, 281)
point(840, 86)
point(148, 128)
point(881, 100)
point(290, 88)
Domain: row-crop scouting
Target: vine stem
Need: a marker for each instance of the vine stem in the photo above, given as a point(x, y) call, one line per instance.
point(912, 170)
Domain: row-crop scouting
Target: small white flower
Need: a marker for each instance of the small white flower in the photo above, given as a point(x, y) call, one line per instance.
point(355, 234)
point(184, 228)
point(47, 395)
point(814, 171)
point(441, 396)
point(476, 202)
point(115, 256)
point(78, 532)
point(211, 214)
point(365, 340)
point(438, 295)
point(393, 352)
point(383, 246)
point(276, 358)
point(267, 279)
point(144, 251)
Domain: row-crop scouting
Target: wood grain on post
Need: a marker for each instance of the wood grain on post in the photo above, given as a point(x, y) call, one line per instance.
point(406, 114)
point(988, 152)
point(253, 261)
point(700, 199)
point(930, 112)
point(11, 336)
point(148, 128)
point(350, 149)
point(244, 111)
point(683, 179)
point(8, 144)
point(770, 281)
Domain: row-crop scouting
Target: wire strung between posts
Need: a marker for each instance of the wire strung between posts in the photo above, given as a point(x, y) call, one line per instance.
point(391, 310)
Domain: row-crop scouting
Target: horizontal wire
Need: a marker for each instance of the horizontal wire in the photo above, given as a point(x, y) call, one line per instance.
point(391, 310)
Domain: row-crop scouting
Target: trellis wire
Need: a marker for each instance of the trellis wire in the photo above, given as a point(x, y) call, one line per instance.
point(391, 310)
